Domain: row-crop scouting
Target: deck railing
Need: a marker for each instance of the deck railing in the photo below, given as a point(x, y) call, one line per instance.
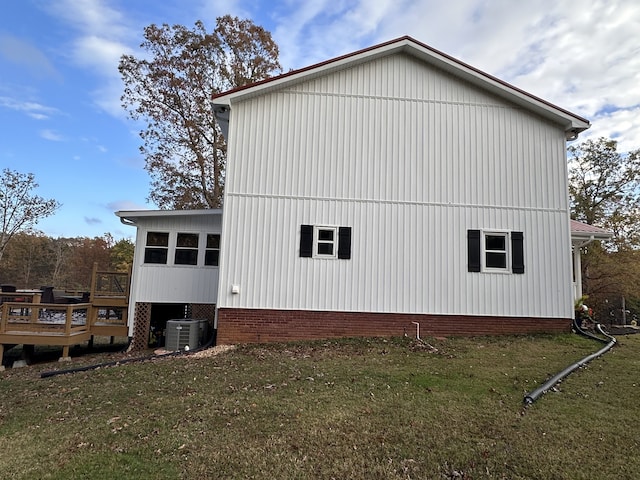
point(24, 320)
point(109, 284)
point(54, 319)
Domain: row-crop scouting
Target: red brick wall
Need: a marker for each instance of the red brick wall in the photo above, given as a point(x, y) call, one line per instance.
point(237, 325)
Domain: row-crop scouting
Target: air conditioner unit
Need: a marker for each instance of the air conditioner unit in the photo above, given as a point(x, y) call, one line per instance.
point(187, 332)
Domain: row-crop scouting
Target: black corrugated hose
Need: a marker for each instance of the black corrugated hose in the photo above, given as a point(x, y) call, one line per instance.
point(115, 363)
point(531, 397)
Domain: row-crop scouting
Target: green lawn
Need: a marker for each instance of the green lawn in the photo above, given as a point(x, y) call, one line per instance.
point(370, 409)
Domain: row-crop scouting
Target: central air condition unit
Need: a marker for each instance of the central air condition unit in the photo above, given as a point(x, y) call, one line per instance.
point(184, 333)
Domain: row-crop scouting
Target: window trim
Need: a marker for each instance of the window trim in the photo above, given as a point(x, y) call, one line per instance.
point(212, 249)
point(164, 248)
point(317, 241)
point(477, 252)
point(506, 252)
point(177, 249)
point(171, 249)
point(309, 238)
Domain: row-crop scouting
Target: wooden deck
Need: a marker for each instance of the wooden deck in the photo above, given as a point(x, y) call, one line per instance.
point(29, 322)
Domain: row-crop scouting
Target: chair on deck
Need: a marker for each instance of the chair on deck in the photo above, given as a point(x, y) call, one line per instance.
point(47, 295)
point(10, 298)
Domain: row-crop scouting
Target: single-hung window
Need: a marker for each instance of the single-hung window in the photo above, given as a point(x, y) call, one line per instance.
point(212, 253)
point(186, 249)
point(325, 242)
point(495, 250)
point(156, 248)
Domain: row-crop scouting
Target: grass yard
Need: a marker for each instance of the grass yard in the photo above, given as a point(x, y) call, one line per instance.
point(370, 409)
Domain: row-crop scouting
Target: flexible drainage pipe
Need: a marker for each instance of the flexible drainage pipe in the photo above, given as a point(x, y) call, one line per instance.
point(114, 363)
point(531, 397)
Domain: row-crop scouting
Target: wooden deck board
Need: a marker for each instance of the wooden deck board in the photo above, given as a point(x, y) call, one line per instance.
point(44, 338)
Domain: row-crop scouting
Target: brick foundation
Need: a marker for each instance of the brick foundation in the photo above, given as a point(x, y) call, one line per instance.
point(236, 325)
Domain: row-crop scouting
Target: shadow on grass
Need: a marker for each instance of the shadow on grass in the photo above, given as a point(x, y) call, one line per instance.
point(42, 354)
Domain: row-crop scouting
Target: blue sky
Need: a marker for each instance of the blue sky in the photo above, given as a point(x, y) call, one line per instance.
point(59, 84)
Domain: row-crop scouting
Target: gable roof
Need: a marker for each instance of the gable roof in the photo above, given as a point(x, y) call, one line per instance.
point(573, 124)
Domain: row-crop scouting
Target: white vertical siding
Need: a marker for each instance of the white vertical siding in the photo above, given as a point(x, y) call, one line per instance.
point(175, 283)
point(410, 158)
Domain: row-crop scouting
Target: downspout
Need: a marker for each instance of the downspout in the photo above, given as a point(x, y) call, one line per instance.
point(577, 265)
point(531, 397)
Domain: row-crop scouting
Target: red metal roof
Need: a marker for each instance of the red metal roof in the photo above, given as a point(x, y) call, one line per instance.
point(588, 230)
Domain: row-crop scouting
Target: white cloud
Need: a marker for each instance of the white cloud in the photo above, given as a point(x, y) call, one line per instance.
point(92, 221)
point(33, 109)
point(100, 36)
point(51, 135)
point(119, 205)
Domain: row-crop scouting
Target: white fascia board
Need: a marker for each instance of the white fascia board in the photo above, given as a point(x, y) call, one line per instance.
point(129, 217)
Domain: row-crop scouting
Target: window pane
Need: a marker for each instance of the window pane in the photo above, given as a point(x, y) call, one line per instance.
point(155, 255)
point(157, 239)
point(213, 240)
point(325, 248)
point(496, 260)
point(495, 242)
point(212, 257)
point(189, 240)
point(325, 235)
point(186, 257)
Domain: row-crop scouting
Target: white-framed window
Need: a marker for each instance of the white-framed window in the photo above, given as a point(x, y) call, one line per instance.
point(212, 252)
point(186, 249)
point(496, 251)
point(322, 241)
point(157, 247)
point(325, 242)
point(182, 248)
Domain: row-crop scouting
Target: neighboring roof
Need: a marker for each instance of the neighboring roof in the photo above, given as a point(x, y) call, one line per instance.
point(129, 217)
point(572, 123)
point(584, 231)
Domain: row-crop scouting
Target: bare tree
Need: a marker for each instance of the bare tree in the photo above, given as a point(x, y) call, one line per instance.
point(20, 209)
point(171, 91)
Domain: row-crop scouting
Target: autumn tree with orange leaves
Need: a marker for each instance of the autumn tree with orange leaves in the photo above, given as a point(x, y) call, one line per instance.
point(170, 89)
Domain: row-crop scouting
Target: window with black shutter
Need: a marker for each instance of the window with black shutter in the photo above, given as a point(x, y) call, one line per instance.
point(495, 251)
point(319, 241)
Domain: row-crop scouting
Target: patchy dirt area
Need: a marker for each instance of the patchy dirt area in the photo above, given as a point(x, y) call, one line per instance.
point(45, 359)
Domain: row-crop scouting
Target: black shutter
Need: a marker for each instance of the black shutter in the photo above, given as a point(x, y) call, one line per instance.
point(517, 252)
point(306, 240)
point(344, 242)
point(473, 250)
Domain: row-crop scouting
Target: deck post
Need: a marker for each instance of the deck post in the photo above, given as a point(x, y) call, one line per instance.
point(3, 318)
point(1, 357)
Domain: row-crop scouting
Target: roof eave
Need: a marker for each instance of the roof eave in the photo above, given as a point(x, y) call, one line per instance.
point(130, 217)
